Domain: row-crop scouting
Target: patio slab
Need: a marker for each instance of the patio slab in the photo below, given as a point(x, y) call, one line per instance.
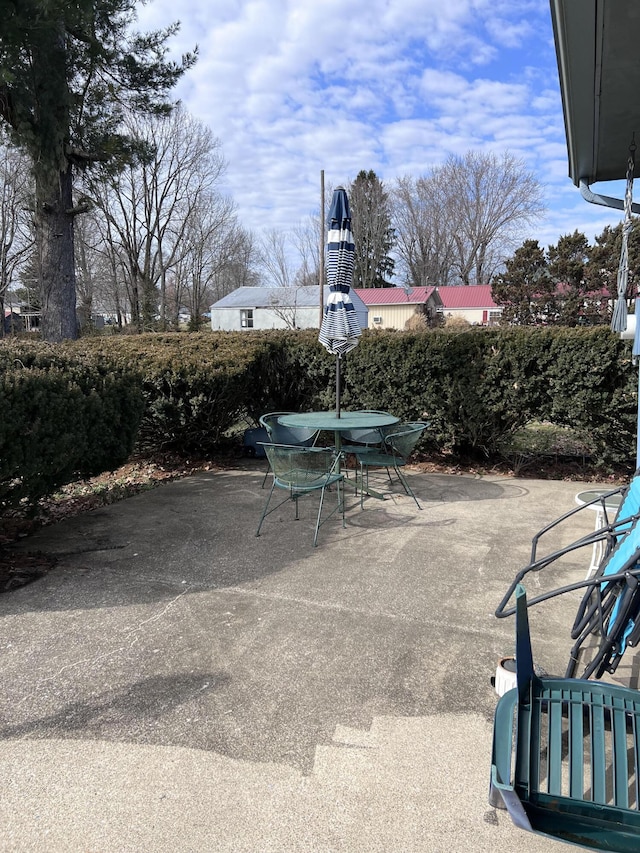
point(178, 684)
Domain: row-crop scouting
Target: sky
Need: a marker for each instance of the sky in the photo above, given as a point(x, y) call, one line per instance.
point(291, 88)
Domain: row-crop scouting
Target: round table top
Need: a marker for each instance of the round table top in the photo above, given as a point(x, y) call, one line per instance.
point(585, 497)
point(346, 421)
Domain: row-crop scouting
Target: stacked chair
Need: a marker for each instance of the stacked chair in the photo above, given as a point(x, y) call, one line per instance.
point(610, 604)
point(566, 755)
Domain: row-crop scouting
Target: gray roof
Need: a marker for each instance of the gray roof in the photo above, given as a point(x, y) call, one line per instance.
point(267, 297)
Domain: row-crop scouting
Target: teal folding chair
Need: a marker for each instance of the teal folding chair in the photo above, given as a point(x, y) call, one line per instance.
point(566, 755)
point(609, 534)
point(300, 471)
point(393, 454)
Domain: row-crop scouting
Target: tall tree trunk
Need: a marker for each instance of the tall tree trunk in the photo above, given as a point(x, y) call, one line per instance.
point(54, 223)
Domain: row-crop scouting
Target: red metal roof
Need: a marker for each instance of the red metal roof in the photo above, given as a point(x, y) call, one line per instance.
point(467, 296)
point(393, 295)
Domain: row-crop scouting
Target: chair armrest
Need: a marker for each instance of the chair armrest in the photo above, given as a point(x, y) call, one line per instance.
point(601, 499)
point(502, 759)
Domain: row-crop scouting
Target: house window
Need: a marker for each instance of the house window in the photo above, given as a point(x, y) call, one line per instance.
point(494, 317)
point(377, 320)
point(246, 318)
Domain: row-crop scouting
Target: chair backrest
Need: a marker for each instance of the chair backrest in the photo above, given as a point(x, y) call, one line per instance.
point(576, 767)
point(279, 434)
point(301, 467)
point(404, 438)
point(367, 435)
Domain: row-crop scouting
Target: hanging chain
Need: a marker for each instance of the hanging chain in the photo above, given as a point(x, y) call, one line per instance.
point(619, 319)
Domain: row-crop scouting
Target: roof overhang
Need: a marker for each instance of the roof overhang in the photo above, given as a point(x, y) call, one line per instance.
point(597, 44)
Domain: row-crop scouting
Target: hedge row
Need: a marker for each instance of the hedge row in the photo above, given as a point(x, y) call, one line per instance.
point(476, 387)
point(62, 417)
point(76, 408)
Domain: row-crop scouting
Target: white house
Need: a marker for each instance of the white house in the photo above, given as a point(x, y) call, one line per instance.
point(274, 308)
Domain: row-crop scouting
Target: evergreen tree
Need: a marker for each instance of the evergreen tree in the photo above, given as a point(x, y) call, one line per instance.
point(69, 72)
point(577, 302)
point(604, 260)
point(525, 288)
point(372, 232)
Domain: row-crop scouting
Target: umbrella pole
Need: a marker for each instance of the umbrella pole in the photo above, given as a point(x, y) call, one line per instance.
point(322, 248)
point(338, 386)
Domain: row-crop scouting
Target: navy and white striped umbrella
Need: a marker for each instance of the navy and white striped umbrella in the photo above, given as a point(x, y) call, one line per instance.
point(340, 328)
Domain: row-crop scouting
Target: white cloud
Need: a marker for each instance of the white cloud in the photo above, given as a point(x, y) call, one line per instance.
point(291, 87)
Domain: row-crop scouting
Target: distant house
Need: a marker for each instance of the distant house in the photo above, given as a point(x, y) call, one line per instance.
point(470, 302)
point(24, 318)
point(12, 322)
point(274, 308)
point(392, 307)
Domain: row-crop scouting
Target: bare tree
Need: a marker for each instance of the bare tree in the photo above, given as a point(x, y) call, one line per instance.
point(307, 241)
point(94, 268)
point(458, 223)
point(214, 249)
point(491, 200)
point(150, 205)
point(241, 269)
point(17, 239)
point(274, 259)
point(425, 243)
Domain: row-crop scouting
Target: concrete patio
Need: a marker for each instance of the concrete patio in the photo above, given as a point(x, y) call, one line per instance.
point(177, 684)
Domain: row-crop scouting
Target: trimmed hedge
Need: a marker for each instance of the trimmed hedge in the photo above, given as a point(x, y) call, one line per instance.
point(77, 408)
point(195, 386)
point(63, 417)
point(476, 387)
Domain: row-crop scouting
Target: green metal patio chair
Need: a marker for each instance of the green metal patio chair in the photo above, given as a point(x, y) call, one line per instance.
point(299, 471)
point(366, 439)
point(393, 454)
point(566, 755)
point(279, 434)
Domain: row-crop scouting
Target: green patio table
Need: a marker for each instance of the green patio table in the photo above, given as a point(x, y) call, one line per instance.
point(330, 422)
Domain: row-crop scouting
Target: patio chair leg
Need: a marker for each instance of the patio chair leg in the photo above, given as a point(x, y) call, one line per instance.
point(264, 512)
point(315, 535)
point(339, 507)
point(267, 472)
point(406, 486)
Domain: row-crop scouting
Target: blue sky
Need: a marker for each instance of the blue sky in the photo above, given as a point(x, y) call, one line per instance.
point(293, 87)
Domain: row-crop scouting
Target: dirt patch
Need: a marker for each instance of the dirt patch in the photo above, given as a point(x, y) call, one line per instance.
point(18, 569)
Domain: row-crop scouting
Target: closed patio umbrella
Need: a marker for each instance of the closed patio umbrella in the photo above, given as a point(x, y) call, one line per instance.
point(340, 329)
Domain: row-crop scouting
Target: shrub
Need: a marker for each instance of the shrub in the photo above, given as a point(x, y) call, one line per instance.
point(62, 418)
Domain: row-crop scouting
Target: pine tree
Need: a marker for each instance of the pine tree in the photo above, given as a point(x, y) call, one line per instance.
point(525, 287)
point(372, 232)
point(579, 300)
